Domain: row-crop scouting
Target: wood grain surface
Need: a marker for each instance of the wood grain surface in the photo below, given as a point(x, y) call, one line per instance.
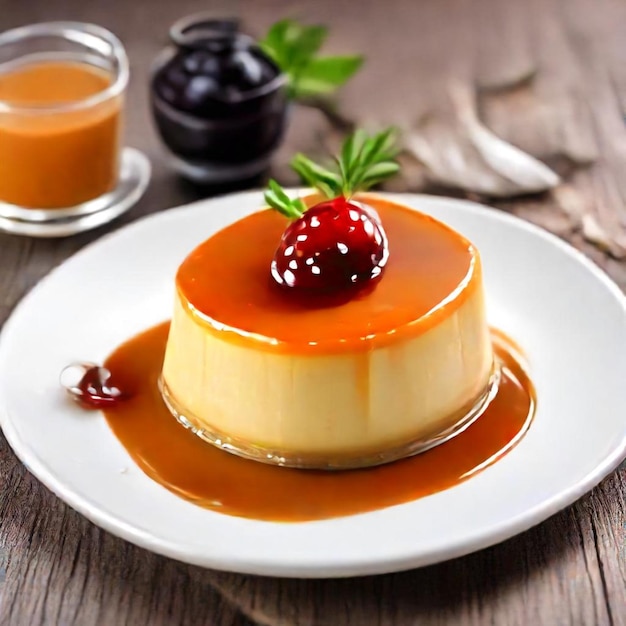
point(548, 76)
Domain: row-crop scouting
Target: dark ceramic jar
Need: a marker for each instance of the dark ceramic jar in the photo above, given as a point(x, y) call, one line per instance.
point(218, 101)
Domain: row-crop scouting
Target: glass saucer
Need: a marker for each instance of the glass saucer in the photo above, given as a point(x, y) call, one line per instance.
point(135, 170)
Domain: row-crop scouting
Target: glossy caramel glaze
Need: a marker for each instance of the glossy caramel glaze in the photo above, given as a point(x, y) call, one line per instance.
point(217, 480)
point(431, 270)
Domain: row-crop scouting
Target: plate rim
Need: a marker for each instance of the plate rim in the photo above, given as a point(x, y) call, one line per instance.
point(470, 542)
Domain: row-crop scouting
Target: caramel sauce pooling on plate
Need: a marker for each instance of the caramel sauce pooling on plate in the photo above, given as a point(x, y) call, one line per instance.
point(428, 261)
point(50, 157)
point(183, 463)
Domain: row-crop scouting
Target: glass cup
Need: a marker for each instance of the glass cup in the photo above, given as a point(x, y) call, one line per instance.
point(62, 88)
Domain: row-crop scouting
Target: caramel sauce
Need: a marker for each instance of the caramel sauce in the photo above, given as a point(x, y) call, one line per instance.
point(429, 264)
point(218, 480)
point(52, 157)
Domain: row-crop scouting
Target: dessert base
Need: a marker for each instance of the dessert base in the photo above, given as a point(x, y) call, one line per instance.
point(466, 416)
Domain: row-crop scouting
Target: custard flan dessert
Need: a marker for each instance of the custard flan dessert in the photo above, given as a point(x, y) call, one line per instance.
point(352, 336)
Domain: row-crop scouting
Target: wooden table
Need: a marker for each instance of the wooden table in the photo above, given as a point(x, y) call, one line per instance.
point(550, 77)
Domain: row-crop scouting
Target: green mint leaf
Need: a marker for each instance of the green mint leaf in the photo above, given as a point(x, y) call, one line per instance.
point(352, 148)
point(351, 153)
point(306, 43)
point(367, 160)
point(308, 90)
point(379, 172)
point(334, 70)
point(276, 198)
point(381, 146)
point(294, 46)
point(278, 192)
point(324, 75)
point(274, 42)
point(314, 175)
point(274, 201)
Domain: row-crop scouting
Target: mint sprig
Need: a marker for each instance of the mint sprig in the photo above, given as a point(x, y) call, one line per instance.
point(294, 47)
point(275, 196)
point(363, 161)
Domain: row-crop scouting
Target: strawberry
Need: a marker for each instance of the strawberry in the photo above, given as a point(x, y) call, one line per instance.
point(339, 244)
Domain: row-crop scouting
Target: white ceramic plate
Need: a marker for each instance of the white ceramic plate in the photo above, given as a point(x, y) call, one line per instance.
point(569, 317)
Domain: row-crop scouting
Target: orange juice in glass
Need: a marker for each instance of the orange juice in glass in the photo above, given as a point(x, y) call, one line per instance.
point(62, 87)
